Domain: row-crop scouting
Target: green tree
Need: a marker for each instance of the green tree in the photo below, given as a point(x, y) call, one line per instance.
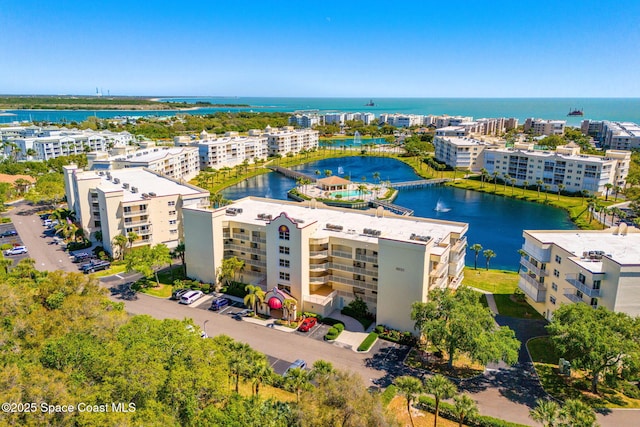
point(148, 260)
point(441, 388)
point(488, 254)
point(409, 388)
point(119, 241)
point(458, 322)
point(597, 341)
point(229, 268)
point(575, 413)
point(255, 296)
point(132, 236)
point(608, 186)
point(298, 379)
point(289, 307)
point(546, 412)
point(464, 407)
point(477, 248)
point(179, 251)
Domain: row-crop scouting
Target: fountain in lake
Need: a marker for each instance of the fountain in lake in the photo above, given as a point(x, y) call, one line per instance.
point(357, 139)
point(441, 207)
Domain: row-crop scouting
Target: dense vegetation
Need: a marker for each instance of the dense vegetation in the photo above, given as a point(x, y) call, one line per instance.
point(80, 102)
point(65, 343)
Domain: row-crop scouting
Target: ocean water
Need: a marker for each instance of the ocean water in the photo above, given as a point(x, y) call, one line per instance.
point(615, 109)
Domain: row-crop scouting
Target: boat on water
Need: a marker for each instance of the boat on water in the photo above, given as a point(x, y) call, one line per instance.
point(370, 103)
point(576, 112)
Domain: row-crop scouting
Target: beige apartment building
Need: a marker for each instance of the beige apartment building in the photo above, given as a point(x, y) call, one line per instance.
point(600, 268)
point(545, 127)
point(130, 200)
point(325, 257)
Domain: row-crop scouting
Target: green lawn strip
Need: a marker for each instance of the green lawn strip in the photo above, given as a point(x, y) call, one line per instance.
point(368, 342)
point(388, 394)
point(507, 306)
point(462, 366)
point(164, 291)
point(545, 360)
point(114, 269)
point(494, 281)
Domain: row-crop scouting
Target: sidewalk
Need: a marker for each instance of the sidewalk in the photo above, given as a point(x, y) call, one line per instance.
point(491, 302)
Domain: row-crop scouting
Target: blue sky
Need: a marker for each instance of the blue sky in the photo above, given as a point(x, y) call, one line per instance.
point(323, 49)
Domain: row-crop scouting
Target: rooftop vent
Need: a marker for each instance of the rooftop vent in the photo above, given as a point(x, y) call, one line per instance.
point(265, 217)
point(145, 196)
point(234, 211)
point(151, 194)
point(134, 189)
point(334, 227)
point(592, 255)
point(298, 221)
point(125, 185)
point(419, 238)
point(101, 173)
point(116, 180)
point(371, 232)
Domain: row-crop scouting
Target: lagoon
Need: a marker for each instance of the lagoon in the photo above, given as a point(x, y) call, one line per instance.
point(495, 222)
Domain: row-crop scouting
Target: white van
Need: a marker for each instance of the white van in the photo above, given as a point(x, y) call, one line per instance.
point(191, 297)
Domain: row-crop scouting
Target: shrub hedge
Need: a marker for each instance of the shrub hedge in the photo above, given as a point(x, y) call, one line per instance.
point(331, 321)
point(368, 342)
point(332, 334)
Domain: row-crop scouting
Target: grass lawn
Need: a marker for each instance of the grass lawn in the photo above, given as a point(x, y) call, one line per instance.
point(463, 367)
point(494, 281)
point(507, 306)
point(266, 392)
point(164, 291)
point(545, 361)
point(115, 269)
point(398, 407)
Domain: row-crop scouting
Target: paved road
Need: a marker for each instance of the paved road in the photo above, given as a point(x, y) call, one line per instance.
point(505, 393)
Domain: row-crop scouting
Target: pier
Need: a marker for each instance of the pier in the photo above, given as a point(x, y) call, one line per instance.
point(292, 174)
point(419, 183)
point(397, 209)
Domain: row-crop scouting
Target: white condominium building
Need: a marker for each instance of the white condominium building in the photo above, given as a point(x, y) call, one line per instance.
point(304, 120)
point(174, 162)
point(232, 150)
point(459, 152)
point(545, 127)
point(565, 166)
point(289, 140)
point(324, 257)
point(401, 120)
point(334, 118)
point(615, 135)
point(117, 202)
point(444, 121)
point(600, 268)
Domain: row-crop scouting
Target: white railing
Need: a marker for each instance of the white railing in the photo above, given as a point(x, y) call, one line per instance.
point(590, 292)
point(321, 299)
point(367, 258)
point(529, 266)
point(340, 254)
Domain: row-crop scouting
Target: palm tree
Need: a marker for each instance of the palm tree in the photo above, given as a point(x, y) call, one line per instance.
point(132, 236)
point(376, 176)
point(120, 241)
point(328, 173)
point(575, 413)
point(465, 407)
point(477, 248)
point(539, 184)
point(289, 307)
point(410, 388)
point(525, 185)
point(179, 251)
point(513, 185)
point(298, 379)
point(522, 253)
point(441, 388)
point(546, 412)
point(5, 263)
point(260, 373)
point(322, 370)
point(505, 177)
point(255, 295)
point(560, 188)
point(317, 172)
point(488, 254)
point(238, 361)
point(616, 190)
point(495, 180)
point(547, 187)
point(483, 174)
point(362, 188)
point(608, 186)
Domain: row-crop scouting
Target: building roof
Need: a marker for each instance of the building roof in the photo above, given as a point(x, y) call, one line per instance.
point(353, 222)
point(143, 180)
point(157, 153)
point(13, 178)
point(333, 180)
point(623, 248)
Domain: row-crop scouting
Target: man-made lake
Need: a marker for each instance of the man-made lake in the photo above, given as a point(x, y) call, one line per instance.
point(495, 222)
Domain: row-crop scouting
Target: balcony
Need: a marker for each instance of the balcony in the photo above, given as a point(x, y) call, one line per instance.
point(529, 266)
point(366, 258)
point(534, 289)
point(573, 297)
point(351, 282)
point(541, 254)
point(318, 254)
point(255, 262)
point(460, 245)
point(439, 270)
point(340, 254)
point(323, 300)
point(319, 280)
point(240, 236)
point(318, 267)
point(135, 212)
point(589, 291)
point(351, 269)
point(245, 249)
point(257, 239)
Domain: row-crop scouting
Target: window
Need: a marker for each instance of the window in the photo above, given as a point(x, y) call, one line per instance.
point(173, 231)
point(581, 278)
point(284, 250)
point(284, 288)
point(127, 209)
point(172, 222)
point(552, 300)
point(594, 302)
point(554, 286)
point(556, 273)
point(285, 276)
point(579, 294)
point(596, 284)
point(284, 263)
point(283, 232)
point(172, 213)
point(558, 259)
point(171, 203)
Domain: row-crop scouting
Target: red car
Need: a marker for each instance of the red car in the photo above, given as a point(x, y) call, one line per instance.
point(307, 324)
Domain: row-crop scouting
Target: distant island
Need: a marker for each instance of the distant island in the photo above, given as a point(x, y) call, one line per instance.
point(100, 102)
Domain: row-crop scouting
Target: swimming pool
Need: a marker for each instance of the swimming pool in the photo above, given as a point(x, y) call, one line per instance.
point(347, 193)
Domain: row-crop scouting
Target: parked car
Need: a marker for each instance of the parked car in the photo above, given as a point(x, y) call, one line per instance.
point(9, 233)
point(95, 265)
point(16, 250)
point(299, 363)
point(219, 303)
point(242, 313)
point(307, 324)
point(47, 222)
point(191, 297)
point(177, 293)
point(82, 256)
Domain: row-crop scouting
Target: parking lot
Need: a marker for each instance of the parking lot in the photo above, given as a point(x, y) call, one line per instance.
point(11, 240)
